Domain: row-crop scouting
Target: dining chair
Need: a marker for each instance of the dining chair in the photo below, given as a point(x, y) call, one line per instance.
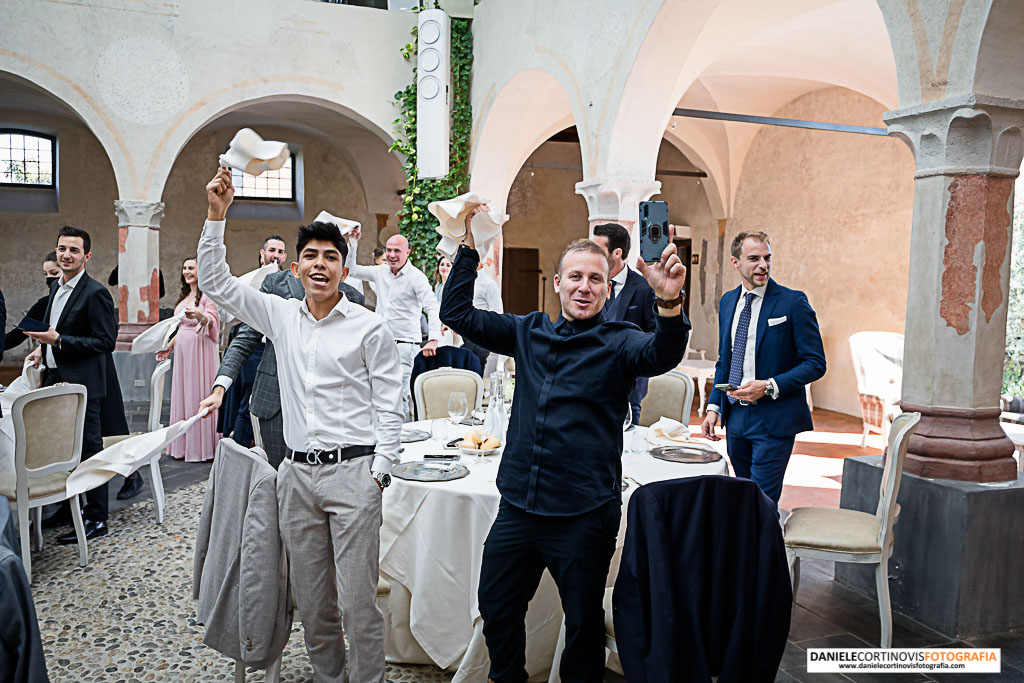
point(432, 389)
point(878, 363)
point(669, 395)
point(156, 404)
point(841, 535)
point(48, 431)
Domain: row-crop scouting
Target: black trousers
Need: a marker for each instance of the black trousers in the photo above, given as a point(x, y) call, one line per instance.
point(577, 550)
point(96, 500)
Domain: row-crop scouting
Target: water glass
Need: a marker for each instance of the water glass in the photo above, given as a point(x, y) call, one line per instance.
point(458, 407)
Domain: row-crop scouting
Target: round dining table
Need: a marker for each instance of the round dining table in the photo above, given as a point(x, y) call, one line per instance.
point(431, 544)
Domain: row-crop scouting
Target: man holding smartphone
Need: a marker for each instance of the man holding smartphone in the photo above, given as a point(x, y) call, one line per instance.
point(769, 350)
point(561, 471)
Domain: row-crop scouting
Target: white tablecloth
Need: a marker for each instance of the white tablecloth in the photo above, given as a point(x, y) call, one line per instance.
point(431, 546)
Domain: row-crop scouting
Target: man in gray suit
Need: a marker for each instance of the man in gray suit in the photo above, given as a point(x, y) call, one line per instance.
point(265, 400)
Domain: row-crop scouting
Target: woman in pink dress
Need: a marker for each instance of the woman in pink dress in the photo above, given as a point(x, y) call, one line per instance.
point(195, 367)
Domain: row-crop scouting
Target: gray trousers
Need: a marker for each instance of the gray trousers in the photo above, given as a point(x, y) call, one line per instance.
point(330, 517)
point(407, 355)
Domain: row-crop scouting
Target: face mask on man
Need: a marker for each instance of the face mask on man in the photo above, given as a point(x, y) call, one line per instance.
point(51, 280)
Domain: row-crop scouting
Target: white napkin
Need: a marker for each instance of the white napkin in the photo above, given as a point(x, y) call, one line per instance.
point(344, 225)
point(250, 153)
point(669, 430)
point(158, 336)
point(451, 213)
point(126, 456)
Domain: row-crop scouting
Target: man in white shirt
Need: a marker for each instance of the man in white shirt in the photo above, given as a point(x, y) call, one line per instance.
point(403, 294)
point(338, 371)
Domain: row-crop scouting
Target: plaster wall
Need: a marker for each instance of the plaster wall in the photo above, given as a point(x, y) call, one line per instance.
point(87, 189)
point(545, 213)
point(838, 208)
point(150, 75)
point(330, 184)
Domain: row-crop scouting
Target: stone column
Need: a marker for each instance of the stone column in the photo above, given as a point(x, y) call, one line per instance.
point(138, 263)
point(967, 151)
point(617, 200)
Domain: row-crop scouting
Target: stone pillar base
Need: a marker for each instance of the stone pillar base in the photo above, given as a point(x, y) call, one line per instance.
point(956, 551)
point(126, 332)
point(961, 444)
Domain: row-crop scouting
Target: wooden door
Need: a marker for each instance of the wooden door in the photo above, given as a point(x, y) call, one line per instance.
point(520, 276)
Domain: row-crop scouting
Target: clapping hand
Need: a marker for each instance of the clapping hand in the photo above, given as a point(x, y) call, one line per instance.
point(667, 276)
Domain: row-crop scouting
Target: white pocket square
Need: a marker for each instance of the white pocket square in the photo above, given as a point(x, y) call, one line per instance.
point(772, 322)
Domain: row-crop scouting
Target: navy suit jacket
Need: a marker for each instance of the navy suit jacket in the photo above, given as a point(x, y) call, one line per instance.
point(790, 351)
point(634, 304)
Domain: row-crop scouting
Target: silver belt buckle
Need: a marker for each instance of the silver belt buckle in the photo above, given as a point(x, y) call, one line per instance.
point(316, 454)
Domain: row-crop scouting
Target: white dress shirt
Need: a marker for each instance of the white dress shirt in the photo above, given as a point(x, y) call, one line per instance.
point(487, 293)
point(401, 297)
point(337, 374)
point(749, 360)
point(60, 299)
point(620, 280)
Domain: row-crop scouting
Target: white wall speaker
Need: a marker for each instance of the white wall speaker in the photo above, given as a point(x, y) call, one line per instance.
point(433, 94)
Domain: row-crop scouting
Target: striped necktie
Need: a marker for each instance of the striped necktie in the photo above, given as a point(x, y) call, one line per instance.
point(739, 345)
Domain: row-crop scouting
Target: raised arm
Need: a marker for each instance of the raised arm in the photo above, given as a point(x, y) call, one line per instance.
point(368, 273)
point(494, 331)
point(258, 309)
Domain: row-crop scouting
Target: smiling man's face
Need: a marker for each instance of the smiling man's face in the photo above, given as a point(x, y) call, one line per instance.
point(320, 270)
point(582, 284)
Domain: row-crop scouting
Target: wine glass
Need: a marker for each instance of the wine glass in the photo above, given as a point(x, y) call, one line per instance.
point(458, 407)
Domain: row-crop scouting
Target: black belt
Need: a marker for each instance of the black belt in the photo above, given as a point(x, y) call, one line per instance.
point(403, 341)
point(329, 457)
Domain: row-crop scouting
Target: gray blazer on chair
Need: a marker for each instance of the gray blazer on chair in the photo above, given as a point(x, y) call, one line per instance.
point(265, 401)
point(240, 577)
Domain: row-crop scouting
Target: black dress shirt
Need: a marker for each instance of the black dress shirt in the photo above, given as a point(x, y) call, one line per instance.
point(573, 378)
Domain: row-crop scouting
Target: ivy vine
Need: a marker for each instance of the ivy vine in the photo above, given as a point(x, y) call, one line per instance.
point(414, 220)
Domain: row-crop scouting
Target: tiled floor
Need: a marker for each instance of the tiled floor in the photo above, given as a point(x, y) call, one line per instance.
point(825, 614)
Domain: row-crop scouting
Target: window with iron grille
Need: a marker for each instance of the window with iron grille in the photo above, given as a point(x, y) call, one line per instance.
point(276, 185)
point(27, 159)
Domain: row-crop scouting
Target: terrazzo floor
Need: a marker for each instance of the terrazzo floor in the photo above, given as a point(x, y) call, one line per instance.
point(129, 615)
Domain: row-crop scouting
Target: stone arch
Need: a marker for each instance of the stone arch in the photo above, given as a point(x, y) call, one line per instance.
point(841, 43)
point(76, 98)
point(329, 95)
point(528, 109)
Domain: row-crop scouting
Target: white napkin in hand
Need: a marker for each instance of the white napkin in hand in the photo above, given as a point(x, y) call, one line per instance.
point(250, 153)
point(158, 336)
point(344, 225)
point(667, 429)
point(451, 213)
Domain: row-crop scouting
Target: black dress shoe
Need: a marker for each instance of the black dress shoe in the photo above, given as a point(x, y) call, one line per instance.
point(92, 530)
point(131, 487)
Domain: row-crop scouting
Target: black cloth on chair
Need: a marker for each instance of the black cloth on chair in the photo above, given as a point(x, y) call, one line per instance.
point(21, 648)
point(703, 589)
point(446, 357)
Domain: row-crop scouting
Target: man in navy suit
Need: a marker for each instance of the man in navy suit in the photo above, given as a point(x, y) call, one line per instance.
point(630, 298)
point(770, 349)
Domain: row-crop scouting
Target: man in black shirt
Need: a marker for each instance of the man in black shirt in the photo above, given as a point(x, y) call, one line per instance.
point(561, 470)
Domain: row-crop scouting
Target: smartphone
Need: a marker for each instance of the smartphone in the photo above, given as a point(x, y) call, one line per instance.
point(654, 235)
point(726, 387)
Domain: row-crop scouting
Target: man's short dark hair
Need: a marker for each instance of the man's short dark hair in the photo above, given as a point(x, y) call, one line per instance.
point(52, 256)
point(273, 237)
point(617, 236)
point(325, 232)
point(72, 231)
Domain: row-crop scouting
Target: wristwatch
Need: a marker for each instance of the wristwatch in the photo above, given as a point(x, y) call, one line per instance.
point(383, 479)
point(670, 303)
point(769, 389)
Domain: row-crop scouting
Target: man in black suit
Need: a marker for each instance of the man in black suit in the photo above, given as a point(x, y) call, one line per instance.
point(77, 348)
point(630, 298)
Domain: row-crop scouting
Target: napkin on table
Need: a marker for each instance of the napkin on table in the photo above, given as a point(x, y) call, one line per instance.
point(668, 429)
